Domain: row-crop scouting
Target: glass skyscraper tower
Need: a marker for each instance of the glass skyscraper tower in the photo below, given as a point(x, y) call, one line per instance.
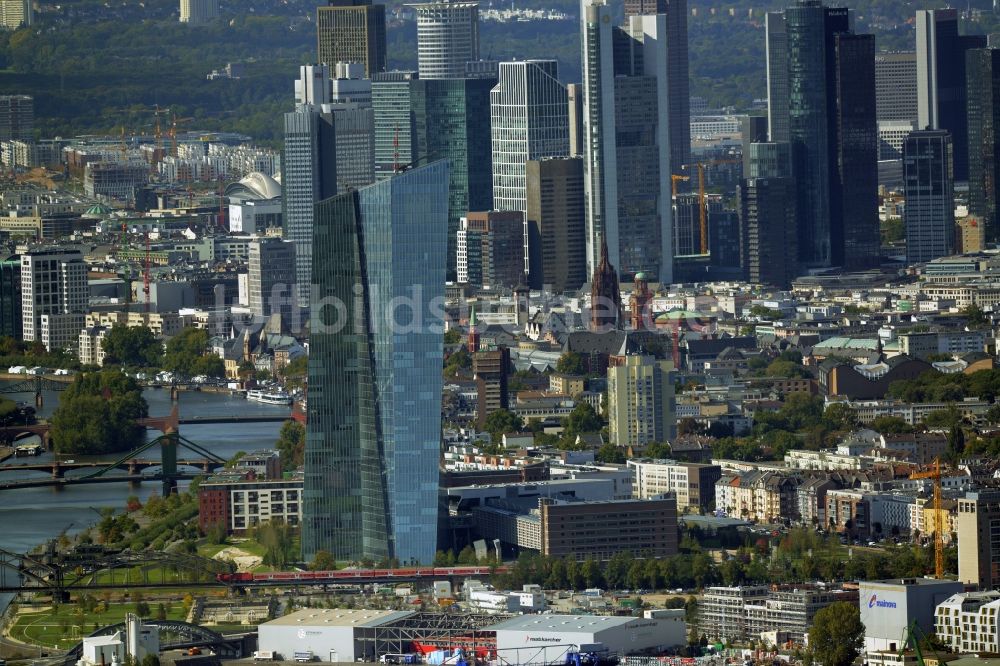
point(374, 428)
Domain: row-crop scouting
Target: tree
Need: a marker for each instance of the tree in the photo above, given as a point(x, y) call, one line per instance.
point(131, 346)
point(837, 634)
point(956, 443)
point(291, 445)
point(323, 561)
point(609, 453)
point(184, 350)
point(570, 363)
point(582, 419)
point(97, 414)
point(890, 425)
point(974, 315)
point(502, 421)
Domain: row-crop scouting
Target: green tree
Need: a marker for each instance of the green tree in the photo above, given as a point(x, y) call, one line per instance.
point(837, 634)
point(183, 351)
point(948, 417)
point(97, 414)
point(570, 363)
point(131, 346)
point(890, 425)
point(974, 315)
point(609, 453)
point(956, 443)
point(582, 419)
point(502, 421)
point(291, 445)
point(323, 561)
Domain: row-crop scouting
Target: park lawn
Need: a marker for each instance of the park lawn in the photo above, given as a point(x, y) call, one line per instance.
point(64, 626)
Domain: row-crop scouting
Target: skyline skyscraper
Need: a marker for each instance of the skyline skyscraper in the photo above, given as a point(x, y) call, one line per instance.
point(395, 123)
point(941, 79)
point(554, 212)
point(529, 120)
point(896, 86)
point(447, 38)
point(374, 424)
point(309, 168)
point(352, 31)
point(271, 278)
point(627, 145)
point(823, 74)
point(452, 122)
point(354, 126)
point(929, 190)
point(678, 75)
point(983, 71)
point(768, 225)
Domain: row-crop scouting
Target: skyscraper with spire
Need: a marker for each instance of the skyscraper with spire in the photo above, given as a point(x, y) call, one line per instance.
point(605, 296)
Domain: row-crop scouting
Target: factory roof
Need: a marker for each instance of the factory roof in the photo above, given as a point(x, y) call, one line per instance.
point(339, 617)
point(565, 623)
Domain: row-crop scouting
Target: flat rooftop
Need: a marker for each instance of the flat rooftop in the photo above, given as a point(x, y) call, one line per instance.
point(339, 617)
point(568, 623)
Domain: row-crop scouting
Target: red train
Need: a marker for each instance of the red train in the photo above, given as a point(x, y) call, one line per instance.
point(356, 575)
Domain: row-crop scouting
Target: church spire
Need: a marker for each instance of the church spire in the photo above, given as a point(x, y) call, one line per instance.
point(605, 297)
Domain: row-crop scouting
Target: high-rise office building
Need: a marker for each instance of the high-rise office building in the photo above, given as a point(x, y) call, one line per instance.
point(17, 117)
point(309, 168)
point(11, 324)
point(574, 93)
point(818, 72)
point(554, 210)
point(18, 13)
point(352, 31)
point(54, 296)
point(529, 120)
point(490, 248)
point(627, 146)
point(679, 97)
point(929, 214)
point(896, 86)
point(776, 48)
point(271, 279)
point(452, 121)
point(941, 79)
point(447, 38)
point(686, 210)
point(354, 126)
point(640, 401)
point(395, 123)
point(979, 539)
point(984, 143)
point(374, 427)
point(768, 225)
point(856, 242)
point(199, 11)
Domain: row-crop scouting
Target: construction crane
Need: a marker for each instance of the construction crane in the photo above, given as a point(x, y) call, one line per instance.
point(934, 473)
point(702, 204)
point(174, 122)
point(674, 179)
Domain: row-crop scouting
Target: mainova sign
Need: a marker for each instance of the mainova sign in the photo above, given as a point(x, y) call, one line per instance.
point(875, 602)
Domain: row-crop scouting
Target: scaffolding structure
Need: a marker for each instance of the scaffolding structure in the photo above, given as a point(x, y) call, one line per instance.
point(443, 630)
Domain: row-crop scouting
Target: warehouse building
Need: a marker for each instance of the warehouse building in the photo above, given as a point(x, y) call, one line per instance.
point(532, 639)
point(889, 607)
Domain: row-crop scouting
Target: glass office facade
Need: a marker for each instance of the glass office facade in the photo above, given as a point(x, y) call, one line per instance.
point(373, 436)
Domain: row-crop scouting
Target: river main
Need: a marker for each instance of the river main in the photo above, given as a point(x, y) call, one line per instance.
point(30, 516)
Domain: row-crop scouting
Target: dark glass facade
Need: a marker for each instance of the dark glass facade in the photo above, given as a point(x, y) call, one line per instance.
point(373, 435)
point(855, 232)
point(452, 122)
point(10, 297)
point(928, 186)
point(983, 71)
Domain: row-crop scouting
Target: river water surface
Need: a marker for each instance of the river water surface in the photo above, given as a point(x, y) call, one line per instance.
point(31, 516)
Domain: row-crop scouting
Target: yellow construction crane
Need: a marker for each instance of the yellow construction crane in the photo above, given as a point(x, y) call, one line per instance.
point(934, 473)
point(702, 204)
point(174, 122)
point(674, 179)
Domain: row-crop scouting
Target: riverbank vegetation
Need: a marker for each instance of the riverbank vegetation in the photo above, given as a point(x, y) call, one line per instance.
point(98, 414)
